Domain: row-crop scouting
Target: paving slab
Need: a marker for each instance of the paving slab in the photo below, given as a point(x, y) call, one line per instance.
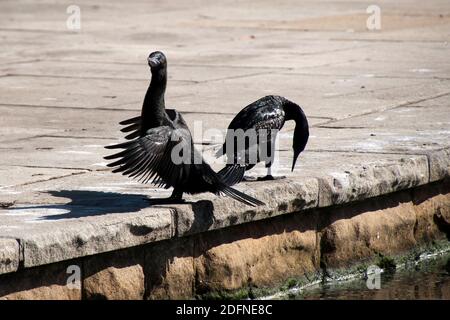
point(53, 91)
point(136, 70)
point(378, 141)
point(371, 66)
point(78, 153)
point(408, 117)
point(51, 233)
point(15, 175)
point(329, 97)
point(350, 176)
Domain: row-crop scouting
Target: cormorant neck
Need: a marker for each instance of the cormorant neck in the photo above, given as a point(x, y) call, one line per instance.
point(292, 110)
point(301, 131)
point(153, 109)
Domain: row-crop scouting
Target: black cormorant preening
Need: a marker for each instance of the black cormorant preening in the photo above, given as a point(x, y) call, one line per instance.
point(269, 113)
point(156, 137)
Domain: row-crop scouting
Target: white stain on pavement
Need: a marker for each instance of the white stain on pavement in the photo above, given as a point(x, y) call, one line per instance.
point(421, 70)
point(100, 164)
point(93, 146)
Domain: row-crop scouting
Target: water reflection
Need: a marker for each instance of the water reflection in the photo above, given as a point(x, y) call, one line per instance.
point(429, 279)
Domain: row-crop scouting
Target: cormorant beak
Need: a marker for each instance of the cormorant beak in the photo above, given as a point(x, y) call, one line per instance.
point(296, 154)
point(152, 62)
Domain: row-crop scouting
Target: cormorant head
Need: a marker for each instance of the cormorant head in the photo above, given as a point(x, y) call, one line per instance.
point(301, 131)
point(301, 135)
point(297, 152)
point(157, 60)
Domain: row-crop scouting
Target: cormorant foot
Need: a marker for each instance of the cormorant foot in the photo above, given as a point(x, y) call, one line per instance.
point(270, 178)
point(248, 179)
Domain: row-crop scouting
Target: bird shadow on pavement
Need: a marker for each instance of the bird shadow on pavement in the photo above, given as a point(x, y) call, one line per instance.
point(85, 203)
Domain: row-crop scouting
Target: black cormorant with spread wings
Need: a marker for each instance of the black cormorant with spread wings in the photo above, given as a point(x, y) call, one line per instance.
point(161, 149)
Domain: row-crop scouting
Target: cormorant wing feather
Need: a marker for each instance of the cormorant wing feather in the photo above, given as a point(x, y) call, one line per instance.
point(133, 125)
point(219, 186)
point(266, 109)
point(131, 121)
point(149, 158)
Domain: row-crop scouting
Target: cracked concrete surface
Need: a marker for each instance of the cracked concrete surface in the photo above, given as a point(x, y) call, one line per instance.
point(378, 104)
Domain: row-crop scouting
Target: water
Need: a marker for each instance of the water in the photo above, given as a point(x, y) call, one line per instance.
point(428, 279)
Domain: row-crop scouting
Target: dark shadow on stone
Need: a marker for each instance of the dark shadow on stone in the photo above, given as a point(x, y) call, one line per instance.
point(37, 280)
point(442, 225)
point(203, 216)
point(423, 193)
point(91, 203)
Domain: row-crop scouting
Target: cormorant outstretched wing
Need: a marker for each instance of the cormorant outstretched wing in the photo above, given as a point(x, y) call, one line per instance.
point(150, 156)
point(133, 125)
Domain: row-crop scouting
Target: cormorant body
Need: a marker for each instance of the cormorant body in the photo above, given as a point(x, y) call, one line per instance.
point(264, 117)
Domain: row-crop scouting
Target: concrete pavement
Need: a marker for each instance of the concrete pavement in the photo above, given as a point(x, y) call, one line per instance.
point(378, 104)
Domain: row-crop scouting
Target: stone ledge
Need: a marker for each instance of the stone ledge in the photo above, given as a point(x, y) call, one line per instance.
point(9, 255)
point(439, 164)
point(58, 241)
point(50, 241)
point(281, 197)
point(373, 180)
point(256, 258)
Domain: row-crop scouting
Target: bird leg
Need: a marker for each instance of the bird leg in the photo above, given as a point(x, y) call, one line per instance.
point(175, 198)
point(269, 176)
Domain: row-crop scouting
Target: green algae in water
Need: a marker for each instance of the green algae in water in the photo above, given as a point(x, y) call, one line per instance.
point(426, 279)
point(386, 263)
